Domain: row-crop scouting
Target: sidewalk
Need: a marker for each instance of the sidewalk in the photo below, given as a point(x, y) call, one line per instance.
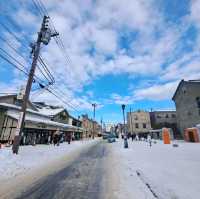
point(161, 170)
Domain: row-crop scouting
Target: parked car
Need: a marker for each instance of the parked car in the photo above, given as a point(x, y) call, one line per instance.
point(111, 138)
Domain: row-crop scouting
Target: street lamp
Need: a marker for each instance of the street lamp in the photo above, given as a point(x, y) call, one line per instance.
point(125, 133)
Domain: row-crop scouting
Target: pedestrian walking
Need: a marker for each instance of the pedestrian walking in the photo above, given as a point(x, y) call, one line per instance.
point(55, 139)
point(69, 137)
point(59, 139)
point(132, 137)
point(136, 138)
point(149, 140)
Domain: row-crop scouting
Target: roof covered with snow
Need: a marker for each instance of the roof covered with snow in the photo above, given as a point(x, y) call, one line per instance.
point(50, 111)
point(13, 106)
point(35, 119)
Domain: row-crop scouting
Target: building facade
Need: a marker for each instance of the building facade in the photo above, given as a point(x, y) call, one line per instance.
point(187, 102)
point(91, 127)
point(41, 122)
point(138, 122)
point(164, 118)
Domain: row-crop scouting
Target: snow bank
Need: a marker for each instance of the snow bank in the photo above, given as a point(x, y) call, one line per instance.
point(33, 157)
point(168, 172)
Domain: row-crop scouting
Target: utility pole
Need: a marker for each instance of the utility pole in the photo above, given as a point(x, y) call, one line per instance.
point(94, 108)
point(125, 132)
point(44, 37)
point(101, 126)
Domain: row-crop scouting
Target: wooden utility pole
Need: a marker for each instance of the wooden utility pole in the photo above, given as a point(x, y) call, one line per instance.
point(101, 126)
point(44, 37)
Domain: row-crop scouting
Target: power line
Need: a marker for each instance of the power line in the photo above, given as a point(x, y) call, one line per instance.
point(16, 26)
point(51, 78)
point(13, 34)
point(56, 95)
point(42, 10)
point(45, 67)
point(44, 87)
point(37, 8)
point(58, 40)
point(16, 66)
point(14, 49)
point(8, 55)
point(13, 64)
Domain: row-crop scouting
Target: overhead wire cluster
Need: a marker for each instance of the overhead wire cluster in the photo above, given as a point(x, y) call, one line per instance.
point(40, 7)
point(45, 79)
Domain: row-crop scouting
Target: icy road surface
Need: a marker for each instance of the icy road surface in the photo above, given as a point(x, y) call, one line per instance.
point(99, 170)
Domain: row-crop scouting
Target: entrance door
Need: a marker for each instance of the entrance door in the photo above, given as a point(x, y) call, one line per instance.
point(191, 136)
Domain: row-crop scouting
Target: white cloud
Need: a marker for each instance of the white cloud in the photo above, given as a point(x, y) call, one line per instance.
point(98, 24)
point(122, 99)
point(195, 10)
point(157, 92)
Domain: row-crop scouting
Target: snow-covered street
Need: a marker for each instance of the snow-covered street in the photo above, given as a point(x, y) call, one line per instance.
point(31, 158)
point(99, 169)
point(167, 171)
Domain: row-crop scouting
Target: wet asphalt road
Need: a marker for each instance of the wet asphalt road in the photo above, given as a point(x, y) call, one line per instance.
point(81, 179)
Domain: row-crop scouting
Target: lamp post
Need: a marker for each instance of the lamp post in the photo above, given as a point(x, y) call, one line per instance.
point(125, 133)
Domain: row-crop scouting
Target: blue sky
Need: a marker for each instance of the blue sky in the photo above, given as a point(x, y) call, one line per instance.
point(131, 52)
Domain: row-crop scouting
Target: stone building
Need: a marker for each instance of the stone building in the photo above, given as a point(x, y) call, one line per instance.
point(187, 101)
point(164, 118)
point(138, 122)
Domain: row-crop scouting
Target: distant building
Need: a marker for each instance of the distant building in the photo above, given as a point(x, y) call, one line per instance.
point(90, 126)
point(187, 101)
point(138, 122)
point(109, 127)
point(164, 118)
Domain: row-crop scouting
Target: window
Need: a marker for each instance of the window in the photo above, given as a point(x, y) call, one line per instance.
point(135, 117)
point(173, 116)
point(144, 125)
point(189, 113)
point(167, 116)
point(198, 101)
point(136, 125)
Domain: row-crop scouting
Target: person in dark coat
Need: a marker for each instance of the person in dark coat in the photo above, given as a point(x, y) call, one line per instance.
point(132, 137)
point(69, 137)
point(55, 139)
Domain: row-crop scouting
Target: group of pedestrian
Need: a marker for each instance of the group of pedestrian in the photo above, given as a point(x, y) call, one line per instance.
point(137, 138)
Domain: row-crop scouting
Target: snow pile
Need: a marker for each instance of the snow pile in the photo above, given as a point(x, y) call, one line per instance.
point(166, 171)
point(33, 157)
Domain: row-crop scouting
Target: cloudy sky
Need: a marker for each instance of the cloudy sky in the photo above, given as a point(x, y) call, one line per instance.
point(131, 51)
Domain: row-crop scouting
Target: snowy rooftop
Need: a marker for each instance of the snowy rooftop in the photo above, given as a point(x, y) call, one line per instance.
point(49, 111)
point(44, 111)
point(37, 116)
point(36, 119)
point(18, 108)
